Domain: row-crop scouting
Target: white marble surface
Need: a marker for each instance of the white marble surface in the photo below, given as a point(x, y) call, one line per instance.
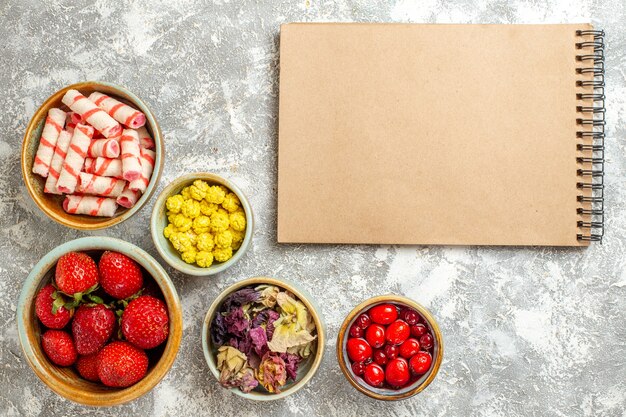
point(529, 331)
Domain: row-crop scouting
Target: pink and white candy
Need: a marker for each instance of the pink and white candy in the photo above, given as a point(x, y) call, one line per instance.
point(73, 164)
point(106, 148)
point(97, 185)
point(131, 155)
point(49, 135)
point(145, 140)
point(60, 151)
point(147, 166)
point(121, 112)
point(90, 205)
point(128, 198)
point(104, 167)
point(92, 114)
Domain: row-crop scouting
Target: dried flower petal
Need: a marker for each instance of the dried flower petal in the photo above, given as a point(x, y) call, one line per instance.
point(272, 373)
point(291, 329)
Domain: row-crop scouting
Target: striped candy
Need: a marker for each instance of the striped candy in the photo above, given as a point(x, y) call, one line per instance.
point(145, 140)
point(128, 198)
point(131, 155)
point(49, 135)
point(106, 148)
point(97, 185)
point(60, 151)
point(89, 205)
point(147, 166)
point(92, 114)
point(121, 112)
point(68, 177)
point(104, 167)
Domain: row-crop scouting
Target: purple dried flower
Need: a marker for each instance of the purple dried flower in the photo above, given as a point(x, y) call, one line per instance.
point(259, 340)
point(218, 330)
point(291, 364)
point(236, 323)
point(239, 298)
point(272, 317)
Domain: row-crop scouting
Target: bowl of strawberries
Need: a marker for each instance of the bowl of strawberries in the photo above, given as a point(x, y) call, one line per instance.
point(99, 321)
point(390, 347)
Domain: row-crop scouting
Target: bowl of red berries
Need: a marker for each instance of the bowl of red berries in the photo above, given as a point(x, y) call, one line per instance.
point(390, 347)
point(99, 321)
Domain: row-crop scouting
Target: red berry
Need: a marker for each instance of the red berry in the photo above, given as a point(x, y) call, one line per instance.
point(374, 375)
point(358, 350)
point(410, 316)
point(418, 330)
point(358, 368)
point(59, 347)
point(391, 351)
point(75, 273)
point(397, 332)
point(383, 313)
point(120, 276)
point(44, 306)
point(420, 363)
point(375, 336)
point(380, 357)
point(87, 367)
point(397, 372)
point(363, 321)
point(145, 322)
point(121, 364)
point(356, 331)
point(92, 327)
point(409, 348)
point(426, 341)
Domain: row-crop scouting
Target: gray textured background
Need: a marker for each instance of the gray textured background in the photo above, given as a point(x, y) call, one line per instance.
point(528, 331)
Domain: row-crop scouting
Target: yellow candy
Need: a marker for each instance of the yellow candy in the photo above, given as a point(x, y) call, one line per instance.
point(207, 208)
point(223, 239)
point(222, 254)
point(171, 216)
point(237, 221)
point(198, 190)
point(180, 241)
point(223, 188)
point(182, 223)
point(169, 229)
point(236, 245)
point(185, 193)
point(219, 222)
point(193, 237)
point(205, 242)
point(231, 202)
point(215, 195)
point(237, 236)
point(201, 224)
point(174, 203)
point(191, 208)
point(204, 259)
point(189, 255)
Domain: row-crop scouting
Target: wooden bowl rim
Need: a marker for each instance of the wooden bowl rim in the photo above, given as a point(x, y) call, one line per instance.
point(302, 296)
point(178, 263)
point(390, 298)
point(37, 360)
point(74, 221)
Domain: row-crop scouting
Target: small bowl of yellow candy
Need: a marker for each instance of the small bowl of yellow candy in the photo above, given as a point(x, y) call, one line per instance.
point(201, 224)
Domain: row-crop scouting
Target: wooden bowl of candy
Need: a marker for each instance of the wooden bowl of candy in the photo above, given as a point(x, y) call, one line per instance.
point(389, 348)
point(201, 224)
point(263, 338)
point(99, 321)
point(92, 155)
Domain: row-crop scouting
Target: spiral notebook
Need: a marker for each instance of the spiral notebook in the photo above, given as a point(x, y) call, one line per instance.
point(441, 134)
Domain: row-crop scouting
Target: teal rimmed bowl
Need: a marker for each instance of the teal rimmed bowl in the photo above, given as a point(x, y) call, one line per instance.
point(306, 370)
point(65, 381)
point(50, 204)
point(158, 222)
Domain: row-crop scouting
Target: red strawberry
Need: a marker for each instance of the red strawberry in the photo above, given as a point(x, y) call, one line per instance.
point(92, 327)
point(121, 364)
point(120, 276)
point(45, 303)
point(76, 273)
point(145, 322)
point(88, 367)
point(59, 347)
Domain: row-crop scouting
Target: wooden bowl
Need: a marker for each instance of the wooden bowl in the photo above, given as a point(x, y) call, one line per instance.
point(51, 204)
point(158, 222)
point(66, 381)
point(387, 394)
point(306, 370)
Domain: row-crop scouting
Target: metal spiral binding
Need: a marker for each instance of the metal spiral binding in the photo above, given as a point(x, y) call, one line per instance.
point(591, 160)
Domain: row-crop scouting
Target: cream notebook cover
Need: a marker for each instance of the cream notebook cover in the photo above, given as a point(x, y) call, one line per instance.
point(440, 134)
